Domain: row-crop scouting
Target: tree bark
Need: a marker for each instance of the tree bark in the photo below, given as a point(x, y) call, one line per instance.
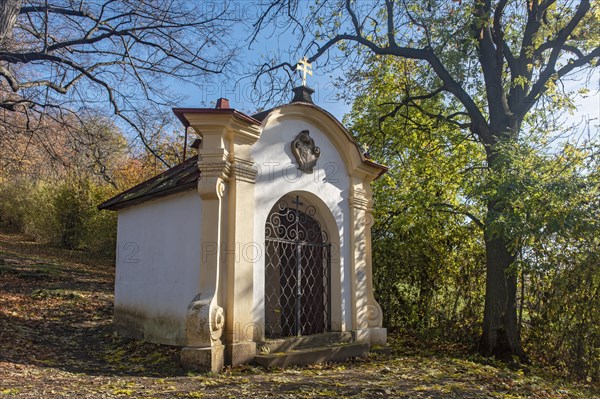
point(500, 336)
point(9, 10)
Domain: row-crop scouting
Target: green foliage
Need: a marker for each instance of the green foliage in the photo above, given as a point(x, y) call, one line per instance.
point(70, 213)
point(14, 202)
point(61, 213)
point(100, 228)
point(560, 262)
point(428, 263)
point(563, 313)
point(428, 248)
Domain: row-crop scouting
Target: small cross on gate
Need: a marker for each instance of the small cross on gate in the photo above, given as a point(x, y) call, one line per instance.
point(306, 68)
point(296, 201)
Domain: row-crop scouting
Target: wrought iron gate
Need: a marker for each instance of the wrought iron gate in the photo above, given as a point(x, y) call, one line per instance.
point(297, 266)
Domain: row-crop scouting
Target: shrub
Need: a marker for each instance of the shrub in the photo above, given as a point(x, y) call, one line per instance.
point(61, 213)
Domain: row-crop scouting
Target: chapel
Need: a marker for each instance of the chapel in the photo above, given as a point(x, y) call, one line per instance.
point(256, 249)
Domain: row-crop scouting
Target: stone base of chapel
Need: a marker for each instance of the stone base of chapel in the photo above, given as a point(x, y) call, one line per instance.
point(377, 336)
point(204, 359)
point(374, 336)
point(240, 353)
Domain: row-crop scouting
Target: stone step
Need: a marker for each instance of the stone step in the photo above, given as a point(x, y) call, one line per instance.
point(306, 356)
point(304, 342)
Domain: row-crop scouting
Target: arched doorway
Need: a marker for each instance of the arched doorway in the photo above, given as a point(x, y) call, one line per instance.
point(297, 271)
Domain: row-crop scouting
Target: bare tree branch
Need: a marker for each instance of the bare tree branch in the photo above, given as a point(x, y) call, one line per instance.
point(450, 84)
point(406, 101)
point(58, 53)
point(9, 10)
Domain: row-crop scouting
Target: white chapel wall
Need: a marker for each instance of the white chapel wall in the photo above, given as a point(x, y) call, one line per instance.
point(158, 262)
point(278, 176)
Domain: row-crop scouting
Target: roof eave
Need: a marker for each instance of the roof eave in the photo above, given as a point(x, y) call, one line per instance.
point(138, 200)
point(180, 113)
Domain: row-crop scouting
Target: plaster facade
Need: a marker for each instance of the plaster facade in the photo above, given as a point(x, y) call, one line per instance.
point(157, 269)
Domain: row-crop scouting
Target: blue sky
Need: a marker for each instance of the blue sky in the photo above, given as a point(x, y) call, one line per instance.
point(270, 43)
point(238, 95)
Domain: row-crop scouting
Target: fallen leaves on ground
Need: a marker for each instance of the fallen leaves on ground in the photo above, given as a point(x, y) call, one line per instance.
point(56, 341)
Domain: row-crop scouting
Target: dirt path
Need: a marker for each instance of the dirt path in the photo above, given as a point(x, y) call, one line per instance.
point(56, 341)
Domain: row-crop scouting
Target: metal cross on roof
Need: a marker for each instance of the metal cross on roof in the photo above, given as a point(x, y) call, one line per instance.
point(306, 68)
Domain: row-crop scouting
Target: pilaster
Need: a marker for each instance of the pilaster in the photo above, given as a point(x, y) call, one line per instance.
point(242, 251)
point(367, 314)
point(205, 319)
point(219, 325)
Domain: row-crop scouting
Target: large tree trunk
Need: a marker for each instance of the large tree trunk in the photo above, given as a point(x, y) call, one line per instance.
point(9, 10)
point(500, 336)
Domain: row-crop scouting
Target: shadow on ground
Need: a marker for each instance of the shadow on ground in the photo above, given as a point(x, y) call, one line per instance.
point(59, 314)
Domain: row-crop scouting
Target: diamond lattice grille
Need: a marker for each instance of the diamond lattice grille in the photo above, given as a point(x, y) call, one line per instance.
point(296, 272)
